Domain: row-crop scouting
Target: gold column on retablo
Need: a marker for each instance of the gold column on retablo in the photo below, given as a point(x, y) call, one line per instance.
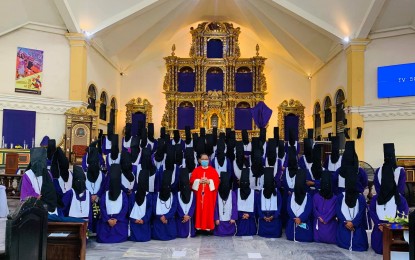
point(77, 74)
point(355, 53)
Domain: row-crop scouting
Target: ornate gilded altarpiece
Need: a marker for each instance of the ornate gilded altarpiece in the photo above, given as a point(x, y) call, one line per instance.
point(212, 108)
point(293, 107)
point(139, 105)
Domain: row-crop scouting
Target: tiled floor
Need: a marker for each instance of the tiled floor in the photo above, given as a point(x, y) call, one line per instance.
point(210, 247)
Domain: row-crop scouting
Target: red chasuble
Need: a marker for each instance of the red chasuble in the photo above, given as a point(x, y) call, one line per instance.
point(205, 197)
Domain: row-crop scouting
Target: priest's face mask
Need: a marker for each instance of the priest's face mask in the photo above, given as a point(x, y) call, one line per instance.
point(204, 160)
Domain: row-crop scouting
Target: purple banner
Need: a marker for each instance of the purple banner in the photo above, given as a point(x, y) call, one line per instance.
point(214, 49)
point(243, 82)
point(19, 127)
point(186, 81)
point(243, 119)
point(185, 117)
point(291, 121)
point(214, 81)
point(261, 114)
point(135, 118)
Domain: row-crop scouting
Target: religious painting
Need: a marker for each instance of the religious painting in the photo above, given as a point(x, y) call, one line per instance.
point(29, 71)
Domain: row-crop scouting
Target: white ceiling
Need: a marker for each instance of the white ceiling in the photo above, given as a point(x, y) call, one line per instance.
point(304, 33)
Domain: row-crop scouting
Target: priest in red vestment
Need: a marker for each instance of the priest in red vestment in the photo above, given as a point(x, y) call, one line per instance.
point(205, 182)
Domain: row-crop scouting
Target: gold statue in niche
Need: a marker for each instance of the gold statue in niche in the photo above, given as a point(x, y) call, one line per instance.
point(213, 107)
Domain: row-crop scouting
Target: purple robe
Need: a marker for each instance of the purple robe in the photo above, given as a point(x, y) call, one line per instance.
point(85, 162)
point(247, 227)
point(361, 184)
point(377, 235)
point(117, 233)
point(161, 231)
point(271, 229)
point(357, 240)
point(67, 201)
point(295, 232)
point(400, 185)
point(141, 232)
point(225, 228)
point(325, 209)
point(186, 229)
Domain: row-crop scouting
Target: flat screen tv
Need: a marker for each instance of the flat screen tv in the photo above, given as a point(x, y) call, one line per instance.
point(396, 80)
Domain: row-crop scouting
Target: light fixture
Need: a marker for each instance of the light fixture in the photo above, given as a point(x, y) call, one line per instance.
point(309, 76)
point(346, 39)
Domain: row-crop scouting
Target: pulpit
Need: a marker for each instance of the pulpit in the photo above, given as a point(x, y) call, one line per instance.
point(12, 163)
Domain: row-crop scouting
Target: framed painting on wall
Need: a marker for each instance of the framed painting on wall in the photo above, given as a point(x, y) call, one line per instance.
point(29, 71)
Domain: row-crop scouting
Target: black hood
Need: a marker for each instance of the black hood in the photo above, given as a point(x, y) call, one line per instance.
point(269, 183)
point(184, 185)
point(335, 149)
point(150, 132)
point(51, 148)
point(271, 152)
point(300, 189)
point(127, 132)
point(110, 130)
point(115, 150)
point(115, 182)
point(244, 184)
point(126, 166)
point(308, 150)
point(277, 133)
point(317, 168)
point(78, 182)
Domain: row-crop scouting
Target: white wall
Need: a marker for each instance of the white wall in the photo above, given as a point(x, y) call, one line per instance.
point(55, 74)
point(382, 52)
point(329, 79)
point(145, 79)
point(55, 61)
point(106, 78)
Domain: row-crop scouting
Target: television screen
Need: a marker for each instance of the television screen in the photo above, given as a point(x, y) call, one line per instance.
point(396, 80)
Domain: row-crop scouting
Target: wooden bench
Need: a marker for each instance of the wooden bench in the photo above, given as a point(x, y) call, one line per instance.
point(393, 241)
point(70, 247)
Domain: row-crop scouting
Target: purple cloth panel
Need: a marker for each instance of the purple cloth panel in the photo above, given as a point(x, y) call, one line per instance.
point(291, 121)
point(243, 119)
point(19, 126)
point(214, 49)
point(186, 82)
point(261, 114)
point(135, 118)
point(214, 81)
point(185, 117)
point(243, 82)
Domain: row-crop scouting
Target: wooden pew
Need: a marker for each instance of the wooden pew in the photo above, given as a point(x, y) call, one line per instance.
point(393, 241)
point(70, 247)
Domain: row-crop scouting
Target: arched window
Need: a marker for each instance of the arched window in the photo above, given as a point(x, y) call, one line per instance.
point(92, 96)
point(214, 79)
point(327, 110)
point(214, 48)
point(186, 79)
point(103, 106)
point(113, 110)
point(243, 80)
point(317, 120)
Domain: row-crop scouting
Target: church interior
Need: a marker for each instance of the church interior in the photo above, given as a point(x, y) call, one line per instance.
point(322, 69)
